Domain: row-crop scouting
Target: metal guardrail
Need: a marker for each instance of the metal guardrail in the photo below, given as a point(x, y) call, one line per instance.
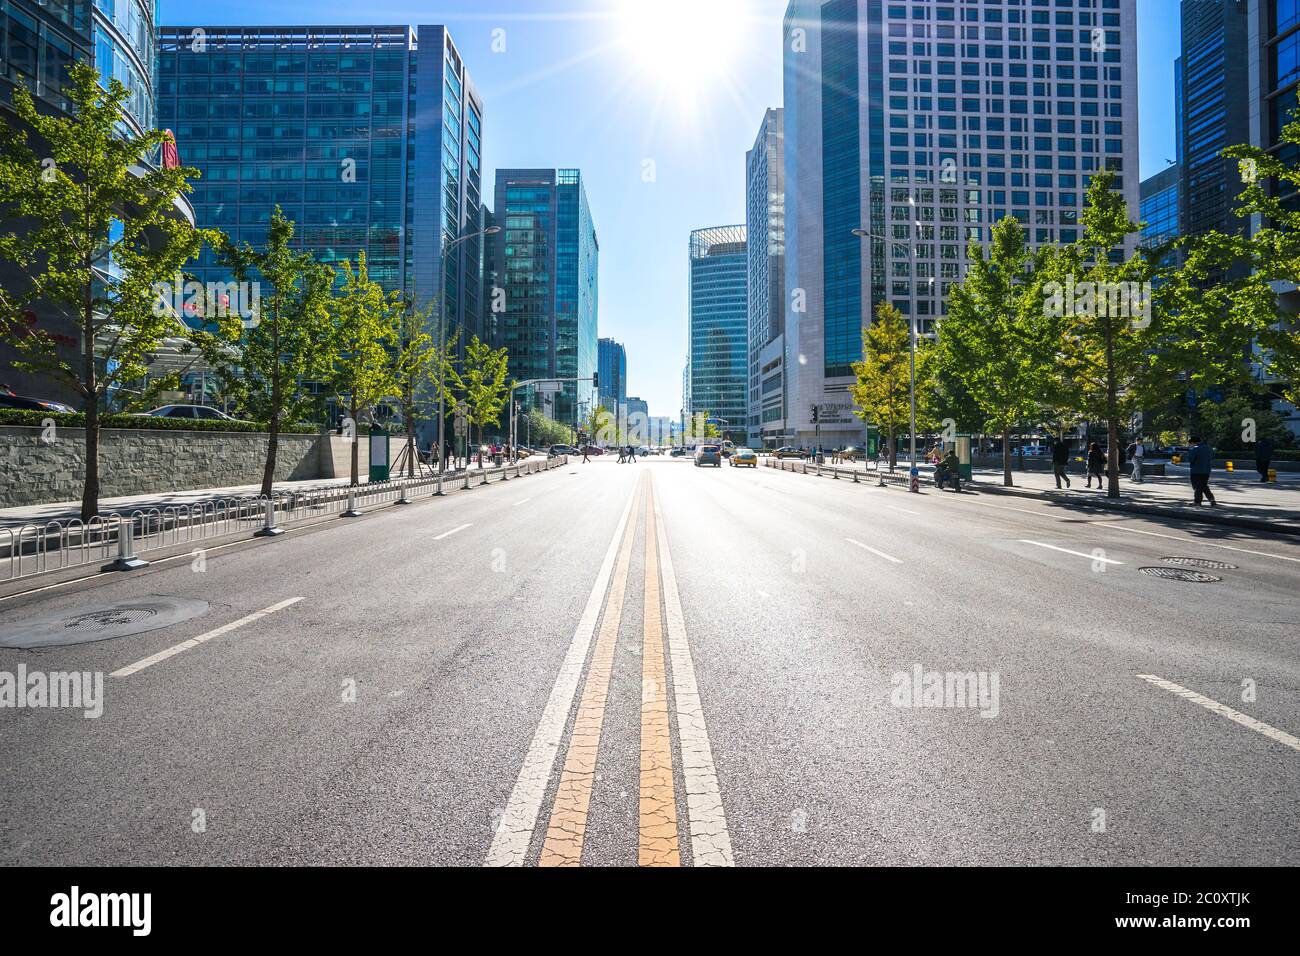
point(31, 550)
point(873, 473)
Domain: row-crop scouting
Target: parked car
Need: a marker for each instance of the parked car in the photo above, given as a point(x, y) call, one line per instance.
point(678, 452)
point(852, 454)
point(592, 450)
point(200, 412)
point(26, 404)
point(787, 452)
point(744, 457)
point(557, 450)
point(708, 455)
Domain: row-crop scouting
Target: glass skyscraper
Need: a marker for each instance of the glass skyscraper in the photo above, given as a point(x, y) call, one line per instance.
point(765, 227)
point(369, 138)
point(548, 261)
point(924, 123)
point(1159, 213)
point(719, 328)
point(613, 376)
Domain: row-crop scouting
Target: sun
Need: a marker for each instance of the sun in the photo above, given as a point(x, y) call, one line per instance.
point(682, 46)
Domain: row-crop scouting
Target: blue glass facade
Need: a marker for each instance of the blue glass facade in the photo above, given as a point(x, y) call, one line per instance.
point(719, 327)
point(548, 258)
point(612, 364)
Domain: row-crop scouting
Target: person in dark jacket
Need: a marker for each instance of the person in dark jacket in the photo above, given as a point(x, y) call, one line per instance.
point(1263, 458)
point(1200, 462)
point(1060, 460)
point(1096, 464)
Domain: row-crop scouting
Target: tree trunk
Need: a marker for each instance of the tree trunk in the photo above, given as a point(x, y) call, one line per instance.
point(1006, 459)
point(893, 451)
point(1112, 414)
point(90, 387)
point(272, 450)
point(356, 444)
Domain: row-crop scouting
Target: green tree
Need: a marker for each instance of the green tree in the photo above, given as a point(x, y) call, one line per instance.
point(993, 338)
point(481, 384)
point(364, 326)
point(882, 391)
point(415, 361)
point(288, 341)
point(544, 431)
point(1107, 335)
point(1273, 254)
point(97, 232)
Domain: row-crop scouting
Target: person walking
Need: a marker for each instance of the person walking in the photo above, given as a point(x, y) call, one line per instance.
point(1200, 462)
point(1263, 458)
point(622, 455)
point(585, 450)
point(1060, 461)
point(1096, 464)
point(1137, 452)
point(631, 454)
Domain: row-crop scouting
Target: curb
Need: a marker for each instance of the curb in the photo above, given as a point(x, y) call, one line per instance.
point(1208, 516)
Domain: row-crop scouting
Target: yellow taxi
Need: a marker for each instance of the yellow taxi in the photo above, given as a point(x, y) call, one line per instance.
point(744, 456)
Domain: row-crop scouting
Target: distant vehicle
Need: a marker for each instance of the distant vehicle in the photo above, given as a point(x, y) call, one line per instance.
point(708, 455)
point(10, 400)
point(556, 450)
point(728, 448)
point(787, 452)
point(678, 452)
point(853, 454)
point(593, 450)
point(199, 412)
point(743, 457)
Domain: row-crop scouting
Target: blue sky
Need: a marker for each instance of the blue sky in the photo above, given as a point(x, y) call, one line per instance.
point(658, 118)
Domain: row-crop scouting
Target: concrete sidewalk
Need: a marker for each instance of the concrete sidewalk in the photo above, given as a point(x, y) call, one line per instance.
point(1243, 501)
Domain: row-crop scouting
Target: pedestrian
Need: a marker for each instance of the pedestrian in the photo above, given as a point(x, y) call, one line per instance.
point(1060, 460)
point(1137, 452)
point(631, 454)
point(1263, 458)
point(1200, 462)
point(1096, 464)
point(585, 449)
point(622, 455)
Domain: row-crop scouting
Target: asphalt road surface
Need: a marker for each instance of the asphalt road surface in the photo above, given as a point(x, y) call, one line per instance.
point(659, 664)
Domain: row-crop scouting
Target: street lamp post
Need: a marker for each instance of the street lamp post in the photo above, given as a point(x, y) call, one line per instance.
point(442, 338)
point(911, 313)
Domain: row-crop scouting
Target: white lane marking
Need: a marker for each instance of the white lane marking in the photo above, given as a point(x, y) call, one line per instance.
point(1023, 511)
point(515, 831)
point(1223, 710)
point(1207, 544)
point(448, 534)
point(524, 502)
point(1077, 554)
point(904, 510)
point(710, 839)
point(879, 554)
point(201, 639)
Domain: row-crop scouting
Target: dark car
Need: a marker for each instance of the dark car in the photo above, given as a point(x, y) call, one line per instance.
point(33, 404)
point(200, 412)
point(708, 455)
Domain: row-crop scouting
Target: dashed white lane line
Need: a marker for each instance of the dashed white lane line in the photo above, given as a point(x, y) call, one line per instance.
point(514, 833)
point(524, 502)
point(1077, 554)
point(879, 554)
point(710, 839)
point(903, 510)
point(201, 639)
point(1223, 710)
point(1207, 544)
point(448, 534)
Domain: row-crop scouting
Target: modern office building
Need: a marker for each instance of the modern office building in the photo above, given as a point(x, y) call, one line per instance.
point(923, 124)
point(39, 40)
point(1213, 72)
point(1273, 45)
point(719, 328)
point(612, 365)
point(369, 138)
point(765, 227)
point(1159, 207)
point(548, 259)
point(637, 412)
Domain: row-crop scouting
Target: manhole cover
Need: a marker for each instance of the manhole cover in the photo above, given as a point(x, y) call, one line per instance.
point(1201, 563)
point(103, 622)
point(99, 621)
point(1179, 574)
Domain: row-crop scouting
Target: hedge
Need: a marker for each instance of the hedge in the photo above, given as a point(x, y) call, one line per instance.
point(15, 416)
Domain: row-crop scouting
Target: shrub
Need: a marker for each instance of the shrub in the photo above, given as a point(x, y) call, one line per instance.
point(14, 416)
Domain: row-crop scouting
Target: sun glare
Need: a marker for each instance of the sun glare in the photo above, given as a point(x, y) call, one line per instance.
point(683, 45)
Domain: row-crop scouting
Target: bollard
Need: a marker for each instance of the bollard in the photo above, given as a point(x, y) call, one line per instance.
point(1230, 467)
point(915, 485)
point(269, 530)
point(126, 559)
point(1272, 474)
point(403, 500)
point(438, 493)
point(352, 511)
point(855, 476)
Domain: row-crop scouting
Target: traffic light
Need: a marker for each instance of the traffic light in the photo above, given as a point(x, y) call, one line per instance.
point(595, 380)
point(817, 412)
